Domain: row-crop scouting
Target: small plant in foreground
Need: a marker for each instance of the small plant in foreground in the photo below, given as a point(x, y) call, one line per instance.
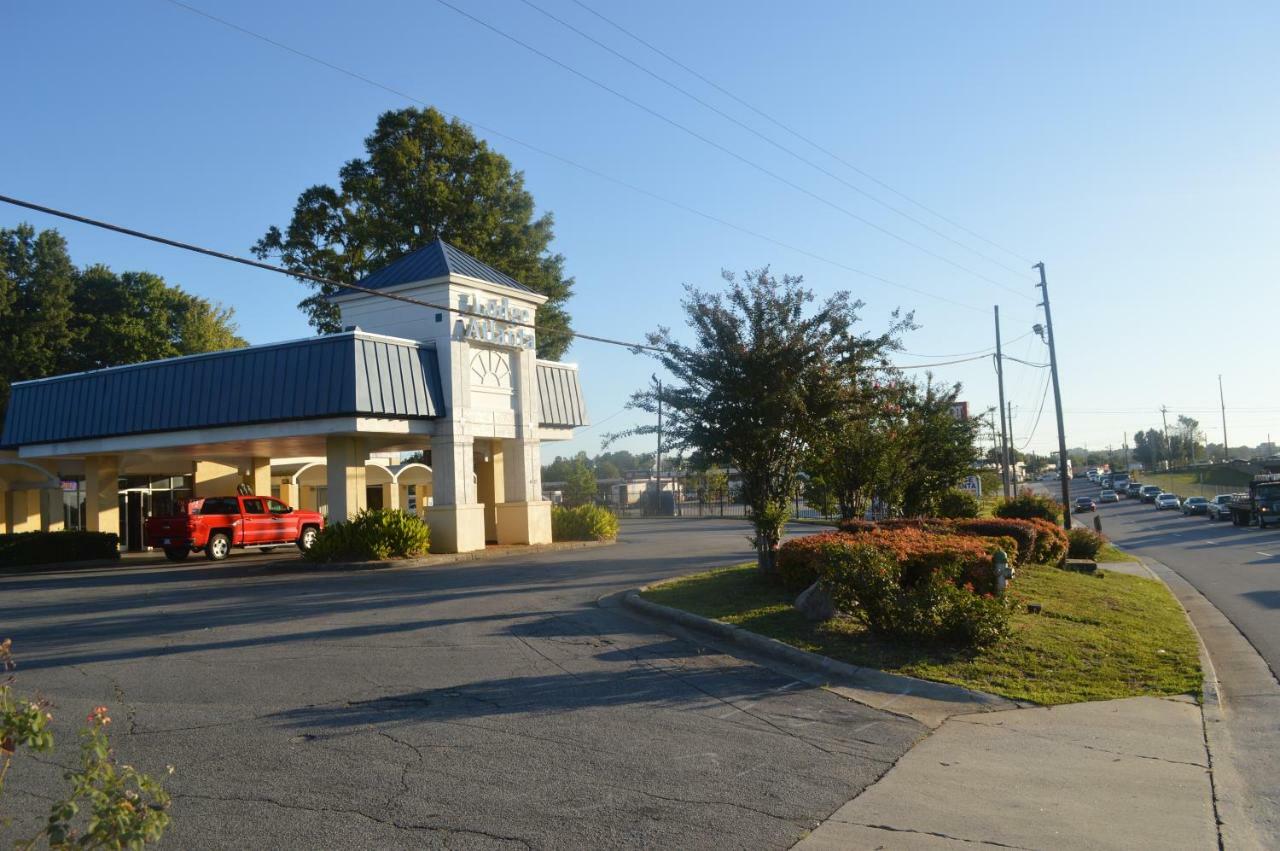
point(109, 806)
point(1084, 543)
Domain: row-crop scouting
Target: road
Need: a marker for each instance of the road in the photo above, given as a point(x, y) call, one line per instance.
point(1236, 568)
point(483, 704)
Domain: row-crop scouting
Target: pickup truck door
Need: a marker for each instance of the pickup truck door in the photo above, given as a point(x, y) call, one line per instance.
point(258, 525)
point(284, 521)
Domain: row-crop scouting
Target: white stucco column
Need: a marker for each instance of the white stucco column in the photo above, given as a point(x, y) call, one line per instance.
point(102, 494)
point(344, 460)
point(456, 517)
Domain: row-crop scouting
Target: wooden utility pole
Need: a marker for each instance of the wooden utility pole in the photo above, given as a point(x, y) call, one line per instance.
point(1057, 401)
point(1004, 432)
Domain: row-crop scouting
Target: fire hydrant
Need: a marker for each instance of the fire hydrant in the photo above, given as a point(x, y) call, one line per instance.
point(1004, 571)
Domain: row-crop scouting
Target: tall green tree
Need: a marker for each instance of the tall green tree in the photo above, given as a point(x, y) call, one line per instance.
point(935, 448)
point(423, 177)
point(765, 368)
point(580, 484)
point(37, 279)
point(56, 319)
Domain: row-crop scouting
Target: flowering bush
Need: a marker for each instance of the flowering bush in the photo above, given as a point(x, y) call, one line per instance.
point(1029, 506)
point(1051, 542)
point(124, 808)
point(1083, 543)
point(1023, 532)
point(372, 534)
point(584, 523)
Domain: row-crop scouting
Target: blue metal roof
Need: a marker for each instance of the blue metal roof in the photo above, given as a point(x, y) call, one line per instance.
point(560, 401)
point(437, 260)
point(351, 374)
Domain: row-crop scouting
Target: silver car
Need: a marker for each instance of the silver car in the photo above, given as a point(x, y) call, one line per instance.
point(1219, 508)
point(1168, 500)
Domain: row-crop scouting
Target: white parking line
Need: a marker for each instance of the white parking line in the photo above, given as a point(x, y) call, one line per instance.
point(1261, 553)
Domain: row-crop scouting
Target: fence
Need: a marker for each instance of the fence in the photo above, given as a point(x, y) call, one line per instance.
point(694, 508)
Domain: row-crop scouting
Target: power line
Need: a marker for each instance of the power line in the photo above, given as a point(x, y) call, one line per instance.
point(796, 133)
point(943, 363)
point(723, 149)
point(569, 162)
point(753, 131)
point(1032, 434)
point(987, 350)
point(257, 264)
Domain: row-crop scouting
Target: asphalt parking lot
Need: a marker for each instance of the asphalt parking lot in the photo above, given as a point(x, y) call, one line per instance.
point(486, 704)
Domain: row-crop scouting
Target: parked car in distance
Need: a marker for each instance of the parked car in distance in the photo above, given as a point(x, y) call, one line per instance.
point(1195, 505)
point(1085, 503)
point(1108, 496)
point(1219, 508)
point(1167, 500)
point(215, 524)
point(1133, 489)
point(1150, 492)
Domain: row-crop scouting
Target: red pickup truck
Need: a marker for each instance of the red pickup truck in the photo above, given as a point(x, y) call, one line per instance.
point(215, 524)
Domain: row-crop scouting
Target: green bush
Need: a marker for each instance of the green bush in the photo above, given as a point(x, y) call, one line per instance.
point(373, 534)
point(30, 548)
point(1084, 543)
point(1030, 506)
point(867, 582)
point(1051, 542)
point(1021, 531)
point(584, 523)
point(801, 560)
point(956, 504)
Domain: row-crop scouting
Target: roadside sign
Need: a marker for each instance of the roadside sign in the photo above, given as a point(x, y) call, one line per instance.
point(973, 484)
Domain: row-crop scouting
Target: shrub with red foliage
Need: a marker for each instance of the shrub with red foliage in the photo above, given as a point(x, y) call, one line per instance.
point(800, 560)
point(923, 553)
point(1051, 542)
point(1022, 531)
point(855, 526)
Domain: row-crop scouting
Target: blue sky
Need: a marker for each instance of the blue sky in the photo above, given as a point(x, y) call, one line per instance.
point(1130, 146)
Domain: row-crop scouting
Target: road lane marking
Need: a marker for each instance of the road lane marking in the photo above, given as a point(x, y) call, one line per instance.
point(1261, 553)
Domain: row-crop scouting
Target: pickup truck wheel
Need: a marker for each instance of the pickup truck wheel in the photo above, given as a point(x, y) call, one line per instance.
point(175, 554)
point(307, 539)
point(218, 548)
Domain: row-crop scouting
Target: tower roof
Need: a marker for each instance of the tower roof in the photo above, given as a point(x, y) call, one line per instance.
point(436, 260)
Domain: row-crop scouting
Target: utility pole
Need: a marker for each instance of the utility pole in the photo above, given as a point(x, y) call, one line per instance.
point(1226, 447)
point(657, 467)
point(1004, 432)
point(1013, 479)
point(1057, 401)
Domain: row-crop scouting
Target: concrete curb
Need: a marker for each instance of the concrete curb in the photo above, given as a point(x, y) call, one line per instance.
point(455, 558)
point(927, 702)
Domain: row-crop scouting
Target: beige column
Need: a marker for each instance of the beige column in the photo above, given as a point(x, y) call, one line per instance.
point(391, 496)
point(524, 517)
point(52, 518)
point(456, 517)
point(402, 497)
point(5, 499)
point(209, 478)
point(490, 486)
point(345, 457)
point(287, 494)
point(24, 510)
point(102, 494)
point(258, 476)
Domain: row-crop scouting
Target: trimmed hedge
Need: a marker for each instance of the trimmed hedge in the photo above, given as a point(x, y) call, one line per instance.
point(1030, 506)
point(31, 548)
point(1051, 542)
point(1084, 543)
point(584, 523)
point(935, 607)
point(800, 560)
point(372, 535)
point(1023, 532)
point(957, 504)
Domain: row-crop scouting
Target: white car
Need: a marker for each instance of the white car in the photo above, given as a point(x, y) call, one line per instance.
point(1168, 500)
point(1108, 496)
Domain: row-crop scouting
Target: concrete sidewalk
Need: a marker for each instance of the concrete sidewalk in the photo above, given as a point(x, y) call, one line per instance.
point(1116, 774)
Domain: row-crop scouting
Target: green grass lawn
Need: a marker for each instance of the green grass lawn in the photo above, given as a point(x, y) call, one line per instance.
point(1098, 638)
point(1110, 552)
point(1208, 482)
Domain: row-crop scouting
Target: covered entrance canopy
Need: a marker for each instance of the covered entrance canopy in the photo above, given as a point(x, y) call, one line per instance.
point(474, 401)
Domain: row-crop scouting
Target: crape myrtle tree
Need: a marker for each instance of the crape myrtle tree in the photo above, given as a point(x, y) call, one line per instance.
point(935, 449)
point(859, 454)
point(423, 177)
point(765, 369)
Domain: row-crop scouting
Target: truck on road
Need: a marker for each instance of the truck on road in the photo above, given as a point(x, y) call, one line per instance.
point(215, 524)
point(1261, 505)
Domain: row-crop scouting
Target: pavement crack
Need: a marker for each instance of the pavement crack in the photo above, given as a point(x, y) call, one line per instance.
point(1084, 746)
point(709, 802)
point(892, 829)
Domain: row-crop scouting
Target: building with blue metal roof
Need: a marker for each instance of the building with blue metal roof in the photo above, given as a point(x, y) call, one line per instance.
point(320, 423)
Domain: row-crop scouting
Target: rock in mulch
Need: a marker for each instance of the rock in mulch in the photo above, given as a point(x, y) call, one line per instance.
point(816, 604)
